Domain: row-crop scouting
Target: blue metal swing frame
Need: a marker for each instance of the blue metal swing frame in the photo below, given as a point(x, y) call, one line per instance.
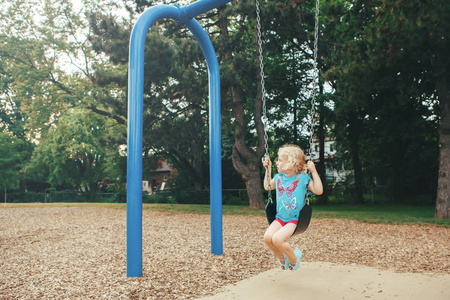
point(183, 16)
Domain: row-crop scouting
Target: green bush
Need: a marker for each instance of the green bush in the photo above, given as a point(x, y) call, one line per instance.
point(190, 196)
point(235, 197)
point(157, 198)
point(29, 197)
point(120, 195)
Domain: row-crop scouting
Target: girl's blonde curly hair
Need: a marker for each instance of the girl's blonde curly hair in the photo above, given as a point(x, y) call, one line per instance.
point(296, 157)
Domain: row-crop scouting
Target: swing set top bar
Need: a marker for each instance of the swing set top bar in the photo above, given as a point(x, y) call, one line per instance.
point(197, 8)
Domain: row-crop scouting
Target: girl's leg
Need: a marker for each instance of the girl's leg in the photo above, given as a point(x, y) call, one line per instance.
point(279, 240)
point(268, 239)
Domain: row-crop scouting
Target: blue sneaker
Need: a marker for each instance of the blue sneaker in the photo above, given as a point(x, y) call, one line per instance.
point(298, 254)
point(284, 266)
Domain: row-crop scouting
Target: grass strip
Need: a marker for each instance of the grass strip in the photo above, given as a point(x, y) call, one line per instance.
point(378, 214)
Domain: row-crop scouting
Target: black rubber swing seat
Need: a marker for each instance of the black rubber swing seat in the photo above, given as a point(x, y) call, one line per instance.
point(304, 217)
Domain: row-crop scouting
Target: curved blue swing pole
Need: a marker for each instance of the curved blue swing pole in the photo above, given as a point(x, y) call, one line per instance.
point(185, 17)
point(215, 153)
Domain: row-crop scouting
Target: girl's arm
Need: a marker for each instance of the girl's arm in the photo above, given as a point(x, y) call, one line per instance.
point(269, 183)
point(315, 185)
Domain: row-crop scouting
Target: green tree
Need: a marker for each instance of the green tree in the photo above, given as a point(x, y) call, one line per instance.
point(395, 51)
point(11, 160)
point(12, 120)
point(49, 67)
point(74, 152)
point(176, 122)
point(51, 64)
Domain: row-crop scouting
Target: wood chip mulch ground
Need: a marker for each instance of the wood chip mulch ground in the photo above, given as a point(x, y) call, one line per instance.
point(80, 252)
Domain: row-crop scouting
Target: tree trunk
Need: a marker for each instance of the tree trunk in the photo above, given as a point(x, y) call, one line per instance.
point(197, 143)
point(323, 199)
point(295, 97)
point(357, 169)
point(443, 192)
point(246, 160)
point(252, 180)
point(199, 177)
point(22, 183)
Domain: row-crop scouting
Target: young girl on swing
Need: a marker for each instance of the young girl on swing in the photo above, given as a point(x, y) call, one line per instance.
point(290, 184)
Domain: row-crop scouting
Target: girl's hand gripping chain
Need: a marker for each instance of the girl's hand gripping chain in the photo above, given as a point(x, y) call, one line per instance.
point(311, 167)
point(268, 182)
point(266, 162)
point(315, 186)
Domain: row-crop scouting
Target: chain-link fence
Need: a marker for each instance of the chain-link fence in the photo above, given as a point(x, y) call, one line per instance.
point(229, 197)
point(339, 194)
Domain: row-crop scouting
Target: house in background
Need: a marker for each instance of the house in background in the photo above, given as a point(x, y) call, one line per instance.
point(159, 179)
point(335, 172)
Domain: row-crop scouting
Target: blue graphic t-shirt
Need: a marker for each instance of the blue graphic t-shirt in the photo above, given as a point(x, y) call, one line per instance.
point(290, 195)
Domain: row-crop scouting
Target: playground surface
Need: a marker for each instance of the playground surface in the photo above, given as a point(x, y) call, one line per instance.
point(325, 281)
point(80, 253)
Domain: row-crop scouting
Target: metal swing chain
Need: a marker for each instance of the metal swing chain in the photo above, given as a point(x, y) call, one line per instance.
point(261, 68)
point(315, 80)
point(314, 89)
point(263, 92)
point(263, 89)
